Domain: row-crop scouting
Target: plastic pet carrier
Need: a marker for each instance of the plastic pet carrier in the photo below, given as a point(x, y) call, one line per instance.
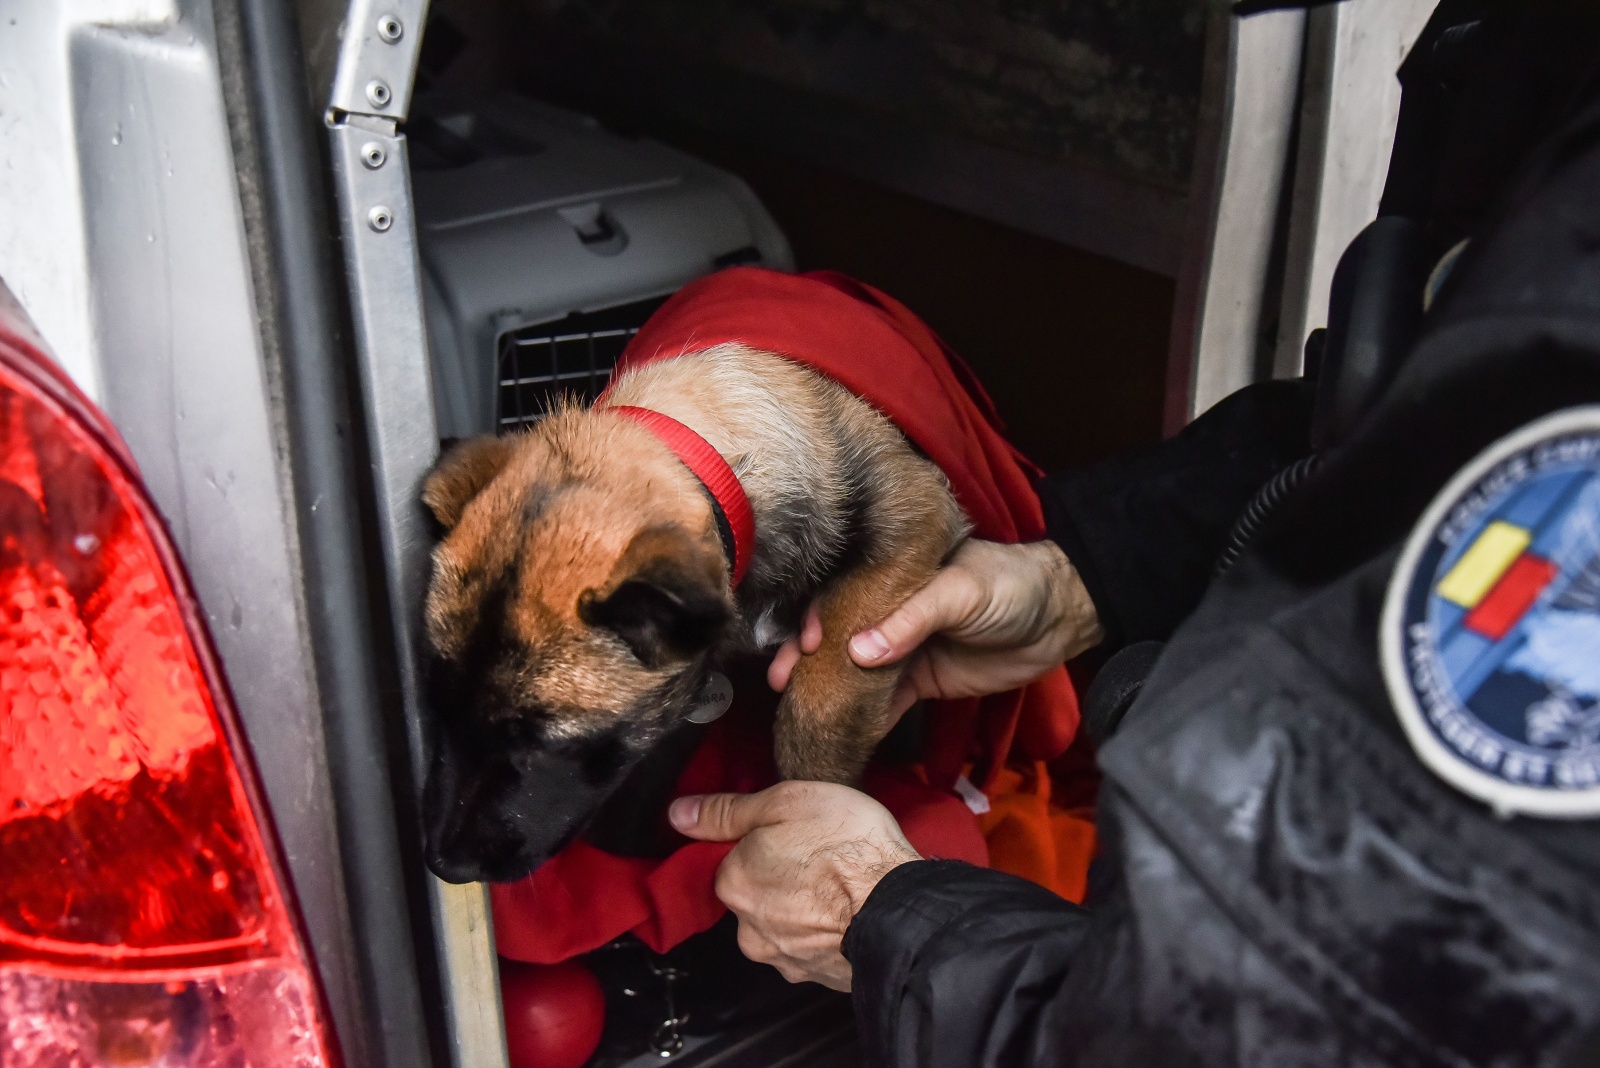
point(546, 242)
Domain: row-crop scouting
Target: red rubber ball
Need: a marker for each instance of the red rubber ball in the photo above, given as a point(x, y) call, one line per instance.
point(554, 1013)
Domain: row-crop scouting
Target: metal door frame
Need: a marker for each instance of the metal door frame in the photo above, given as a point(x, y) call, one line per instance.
point(1298, 114)
point(369, 99)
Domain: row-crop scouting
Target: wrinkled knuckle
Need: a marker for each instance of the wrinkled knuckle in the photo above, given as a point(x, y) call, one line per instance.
point(752, 945)
point(728, 885)
point(974, 586)
point(794, 955)
point(790, 792)
point(834, 795)
point(813, 797)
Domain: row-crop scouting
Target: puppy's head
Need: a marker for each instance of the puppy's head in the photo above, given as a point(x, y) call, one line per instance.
point(574, 599)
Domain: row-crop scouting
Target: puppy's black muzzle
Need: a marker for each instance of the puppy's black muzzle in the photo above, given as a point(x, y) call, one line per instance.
point(510, 787)
point(499, 820)
point(500, 803)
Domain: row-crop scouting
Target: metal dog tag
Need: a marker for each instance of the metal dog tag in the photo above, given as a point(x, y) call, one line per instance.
point(713, 701)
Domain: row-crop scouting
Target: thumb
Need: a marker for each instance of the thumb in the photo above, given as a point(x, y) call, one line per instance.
point(943, 603)
point(719, 817)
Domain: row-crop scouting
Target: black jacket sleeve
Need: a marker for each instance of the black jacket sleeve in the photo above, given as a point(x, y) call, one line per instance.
point(1145, 530)
point(954, 965)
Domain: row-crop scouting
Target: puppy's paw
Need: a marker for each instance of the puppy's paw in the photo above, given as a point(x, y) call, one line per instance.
point(828, 742)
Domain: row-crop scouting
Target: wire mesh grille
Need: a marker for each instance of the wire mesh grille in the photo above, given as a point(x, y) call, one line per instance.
point(572, 356)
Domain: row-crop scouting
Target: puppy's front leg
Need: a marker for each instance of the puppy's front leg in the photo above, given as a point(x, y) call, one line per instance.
point(834, 713)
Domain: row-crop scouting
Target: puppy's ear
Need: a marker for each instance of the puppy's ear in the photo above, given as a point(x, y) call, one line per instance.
point(464, 469)
point(667, 598)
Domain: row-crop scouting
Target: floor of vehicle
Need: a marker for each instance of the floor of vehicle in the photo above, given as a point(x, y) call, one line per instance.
point(819, 1032)
point(703, 1004)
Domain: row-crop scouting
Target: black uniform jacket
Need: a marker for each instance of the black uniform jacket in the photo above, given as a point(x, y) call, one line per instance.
point(1288, 885)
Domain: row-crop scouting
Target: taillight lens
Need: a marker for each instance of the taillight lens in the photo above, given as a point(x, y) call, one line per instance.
point(143, 919)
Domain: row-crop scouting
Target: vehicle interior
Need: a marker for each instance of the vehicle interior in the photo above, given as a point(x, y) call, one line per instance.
point(451, 213)
point(963, 212)
point(531, 124)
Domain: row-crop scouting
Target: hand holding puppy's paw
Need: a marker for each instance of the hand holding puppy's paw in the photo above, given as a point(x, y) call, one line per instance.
point(995, 617)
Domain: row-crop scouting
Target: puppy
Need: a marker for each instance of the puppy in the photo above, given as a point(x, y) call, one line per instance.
point(583, 590)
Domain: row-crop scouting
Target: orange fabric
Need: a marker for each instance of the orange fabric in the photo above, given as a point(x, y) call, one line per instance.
point(876, 348)
point(1030, 836)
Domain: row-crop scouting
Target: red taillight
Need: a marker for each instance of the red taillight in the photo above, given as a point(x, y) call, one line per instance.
point(143, 919)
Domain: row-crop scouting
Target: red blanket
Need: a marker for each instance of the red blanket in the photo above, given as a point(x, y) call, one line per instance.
point(876, 348)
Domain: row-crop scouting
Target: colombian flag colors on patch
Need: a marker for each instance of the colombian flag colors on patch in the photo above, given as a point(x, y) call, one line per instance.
point(1497, 579)
point(1490, 636)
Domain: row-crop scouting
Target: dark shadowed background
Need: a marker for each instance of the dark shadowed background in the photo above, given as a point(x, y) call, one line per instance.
point(1013, 170)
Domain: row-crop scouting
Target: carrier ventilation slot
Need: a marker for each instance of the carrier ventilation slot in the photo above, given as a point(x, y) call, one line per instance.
point(573, 356)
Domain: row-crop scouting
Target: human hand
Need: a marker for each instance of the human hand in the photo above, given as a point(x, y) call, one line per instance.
point(809, 853)
point(994, 618)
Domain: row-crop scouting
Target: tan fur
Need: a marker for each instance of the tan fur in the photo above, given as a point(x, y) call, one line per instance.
point(610, 498)
point(619, 482)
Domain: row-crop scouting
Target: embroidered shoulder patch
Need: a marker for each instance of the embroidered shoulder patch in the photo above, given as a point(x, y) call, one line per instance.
point(1491, 630)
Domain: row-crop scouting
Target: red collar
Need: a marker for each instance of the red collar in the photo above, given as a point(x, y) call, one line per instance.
point(736, 523)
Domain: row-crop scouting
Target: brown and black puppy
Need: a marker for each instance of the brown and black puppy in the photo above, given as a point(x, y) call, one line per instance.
point(582, 592)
